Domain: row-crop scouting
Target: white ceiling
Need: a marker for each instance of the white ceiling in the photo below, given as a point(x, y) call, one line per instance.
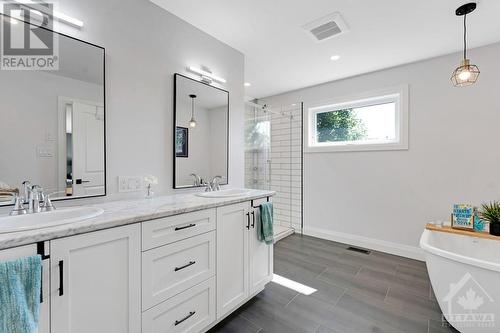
point(281, 56)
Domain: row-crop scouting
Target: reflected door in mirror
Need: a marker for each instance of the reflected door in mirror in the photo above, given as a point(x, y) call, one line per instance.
point(88, 149)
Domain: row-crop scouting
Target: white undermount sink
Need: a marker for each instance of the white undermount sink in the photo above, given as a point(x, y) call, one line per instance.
point(224, 193)
point(47, 219)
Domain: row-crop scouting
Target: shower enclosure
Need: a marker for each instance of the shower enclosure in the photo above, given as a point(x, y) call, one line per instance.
point(273, 160)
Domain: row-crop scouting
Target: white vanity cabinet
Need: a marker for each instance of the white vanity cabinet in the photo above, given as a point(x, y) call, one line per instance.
point(181, 273)
point(96, 282)
point(244, 263)
point(27, 251)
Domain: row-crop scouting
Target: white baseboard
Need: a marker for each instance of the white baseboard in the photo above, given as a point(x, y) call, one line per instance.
point(401, 250)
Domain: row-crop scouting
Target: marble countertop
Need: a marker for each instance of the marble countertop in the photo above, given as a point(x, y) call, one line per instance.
point(123, 212)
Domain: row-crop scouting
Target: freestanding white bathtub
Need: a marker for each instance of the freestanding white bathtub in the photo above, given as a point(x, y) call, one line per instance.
point(465, 275)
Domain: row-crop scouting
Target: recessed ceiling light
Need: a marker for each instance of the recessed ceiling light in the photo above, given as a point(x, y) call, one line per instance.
point(335, 57)
point(247, 84)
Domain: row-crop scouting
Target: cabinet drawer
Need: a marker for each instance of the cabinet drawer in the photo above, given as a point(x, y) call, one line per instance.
point(173, 268)
point(190, 311)
point(174, 228)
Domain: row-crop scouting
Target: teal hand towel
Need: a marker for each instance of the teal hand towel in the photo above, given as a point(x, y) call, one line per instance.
point(266, 233)
point(20, 283)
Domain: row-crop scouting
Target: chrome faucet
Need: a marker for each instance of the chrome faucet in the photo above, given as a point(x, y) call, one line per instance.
point(197, 179)
point(47, 203)
point(213, 185)
point(26, 190)
point(34, 198)
point(18, 203)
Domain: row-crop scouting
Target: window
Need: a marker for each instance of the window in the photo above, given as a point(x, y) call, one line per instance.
point(377, 122)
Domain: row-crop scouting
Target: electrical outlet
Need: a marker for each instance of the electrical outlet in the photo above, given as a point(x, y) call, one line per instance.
point(129, 184)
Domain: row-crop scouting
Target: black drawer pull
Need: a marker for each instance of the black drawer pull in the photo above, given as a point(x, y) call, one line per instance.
point(253, 220)
point(177, 322)
point(61, 278)
point(191, 263)
point(248, 221)
point(185, 227)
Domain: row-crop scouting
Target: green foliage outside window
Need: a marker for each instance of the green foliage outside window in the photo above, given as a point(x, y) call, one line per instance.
point(341, 125)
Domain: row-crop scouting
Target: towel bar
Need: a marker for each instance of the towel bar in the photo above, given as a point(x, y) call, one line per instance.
point(253, 206)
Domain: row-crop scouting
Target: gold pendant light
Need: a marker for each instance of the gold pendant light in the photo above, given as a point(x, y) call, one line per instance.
point(466, 74)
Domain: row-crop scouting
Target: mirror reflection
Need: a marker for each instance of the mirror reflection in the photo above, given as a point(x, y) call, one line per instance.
point(52, 124)
point(201, 133)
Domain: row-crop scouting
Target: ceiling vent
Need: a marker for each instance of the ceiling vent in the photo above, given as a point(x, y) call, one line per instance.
point(327, 27)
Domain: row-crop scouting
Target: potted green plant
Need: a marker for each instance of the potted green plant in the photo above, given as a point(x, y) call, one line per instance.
point(491, 212)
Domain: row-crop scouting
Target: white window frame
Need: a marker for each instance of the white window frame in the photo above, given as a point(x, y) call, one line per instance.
point(398, 95)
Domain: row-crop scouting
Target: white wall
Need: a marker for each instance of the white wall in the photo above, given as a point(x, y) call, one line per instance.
point(384, 199)
point(145, 46)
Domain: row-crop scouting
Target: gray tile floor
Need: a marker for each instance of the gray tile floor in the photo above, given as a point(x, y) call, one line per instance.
point(357, 293)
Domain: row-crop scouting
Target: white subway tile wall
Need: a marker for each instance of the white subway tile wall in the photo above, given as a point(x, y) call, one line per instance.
point(278, 167)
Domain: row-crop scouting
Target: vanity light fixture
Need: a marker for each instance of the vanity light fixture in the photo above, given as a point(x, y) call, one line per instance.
point(206, 76)
point(247, 84)
point(465, 74)
point(335, 57)
point(192, 122)
point(39, 9)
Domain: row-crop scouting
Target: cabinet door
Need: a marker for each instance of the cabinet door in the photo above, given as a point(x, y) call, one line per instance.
point(96, 282)
point(261, 257)
point(233, 223)
point(26, 251)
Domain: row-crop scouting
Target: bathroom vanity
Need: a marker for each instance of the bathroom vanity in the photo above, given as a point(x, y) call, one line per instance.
point(170, 264)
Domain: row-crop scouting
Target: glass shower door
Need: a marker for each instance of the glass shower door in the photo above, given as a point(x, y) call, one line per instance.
point(257, 148)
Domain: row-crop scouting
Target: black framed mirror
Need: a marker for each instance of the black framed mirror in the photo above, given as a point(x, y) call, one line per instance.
point(53, 119)
point(200, 133)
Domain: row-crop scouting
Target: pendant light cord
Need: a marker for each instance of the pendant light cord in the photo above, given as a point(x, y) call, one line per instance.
point(465, 36)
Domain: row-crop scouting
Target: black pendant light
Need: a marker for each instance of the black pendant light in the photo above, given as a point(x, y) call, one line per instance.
point(192, 122)
point(465, 74)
